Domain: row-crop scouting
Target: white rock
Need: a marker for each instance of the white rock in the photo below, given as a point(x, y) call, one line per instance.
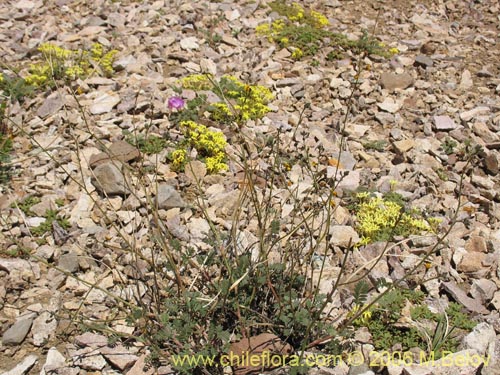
point(189, 43)
point(104, 103)
point(54, 361)
point(43, 327)
point(23, 367)
point(466, 81)
point(34, 221)
point(389, 105)
point(469, 115)
point(481, 339)
point(343, 235)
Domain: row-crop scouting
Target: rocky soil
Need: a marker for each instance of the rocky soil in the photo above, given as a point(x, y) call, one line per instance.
point(442, 86)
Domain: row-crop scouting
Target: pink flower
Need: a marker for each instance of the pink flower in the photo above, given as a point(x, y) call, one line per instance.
point(175, 102)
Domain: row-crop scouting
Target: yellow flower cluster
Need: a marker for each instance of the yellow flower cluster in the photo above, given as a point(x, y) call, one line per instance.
point(297, 54)
point(285, 32)
point(250, 100)
point(379, 219)
point(178, 158)
point(210, 145)
point(61, 63)
point(318, 19)
point(197, 82)
point(296, 12)
point(365, 317)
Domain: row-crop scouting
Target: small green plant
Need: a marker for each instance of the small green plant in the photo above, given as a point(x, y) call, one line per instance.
point(46, 226)
point(304, 32)
point(448, 146)
point(5, 146)
point(375, 145)
point(26, 204)
point(14, 88)
point(149, 145)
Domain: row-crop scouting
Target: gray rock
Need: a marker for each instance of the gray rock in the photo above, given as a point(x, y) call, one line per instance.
point(469, 115)
point(104, 103)
point(120, 150)
point(483, 289)
point(54, 361)
point(466, 82)
point(120, 357)
point(89, 359)
point(69, 262)
point(423, 61)
point(24, 367)
point(51, 105)
point(109, 179)
point(343, 235)
point(444, 123)
point(17, 332)
point(91, 339)
point(392, 81)
point(43, 327)
point(168, 197)
point(460, 296)
point(481, 339)
point(481, 130)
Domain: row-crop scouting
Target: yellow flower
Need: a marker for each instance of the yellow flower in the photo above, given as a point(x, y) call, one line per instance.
point(297, 54)
point(393, 51)
point(319, 20)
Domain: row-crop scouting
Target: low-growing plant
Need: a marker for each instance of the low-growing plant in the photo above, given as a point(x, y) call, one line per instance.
point(58, 63)
point(151, 144)
point(383, 218)
point(448, 146)
point(375, 145)
point(304, 32)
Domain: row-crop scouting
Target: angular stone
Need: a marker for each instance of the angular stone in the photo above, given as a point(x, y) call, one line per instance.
point(54, 361)
point(404, 146)
point(472, 262)
point(481, 130)
point(469, 115)
point(444, 123)
point(51, 105)
point(483, 289)
point(104, 103)
point(423, 61)
point(490, 163)
point(89, 359)
point(108, 178)
point(69, 262)
point(119, 357)
point(460, 296)
point(189, 43)
point(120, 150)
point(343, 235)
point(17, 332)
point(466, 82)
point(482, 336)
point(168, 197)
point(91, 339)
point(389, 105)
point(24, 367)
point(476, 244)
point(392, 81)
point(44, 326)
